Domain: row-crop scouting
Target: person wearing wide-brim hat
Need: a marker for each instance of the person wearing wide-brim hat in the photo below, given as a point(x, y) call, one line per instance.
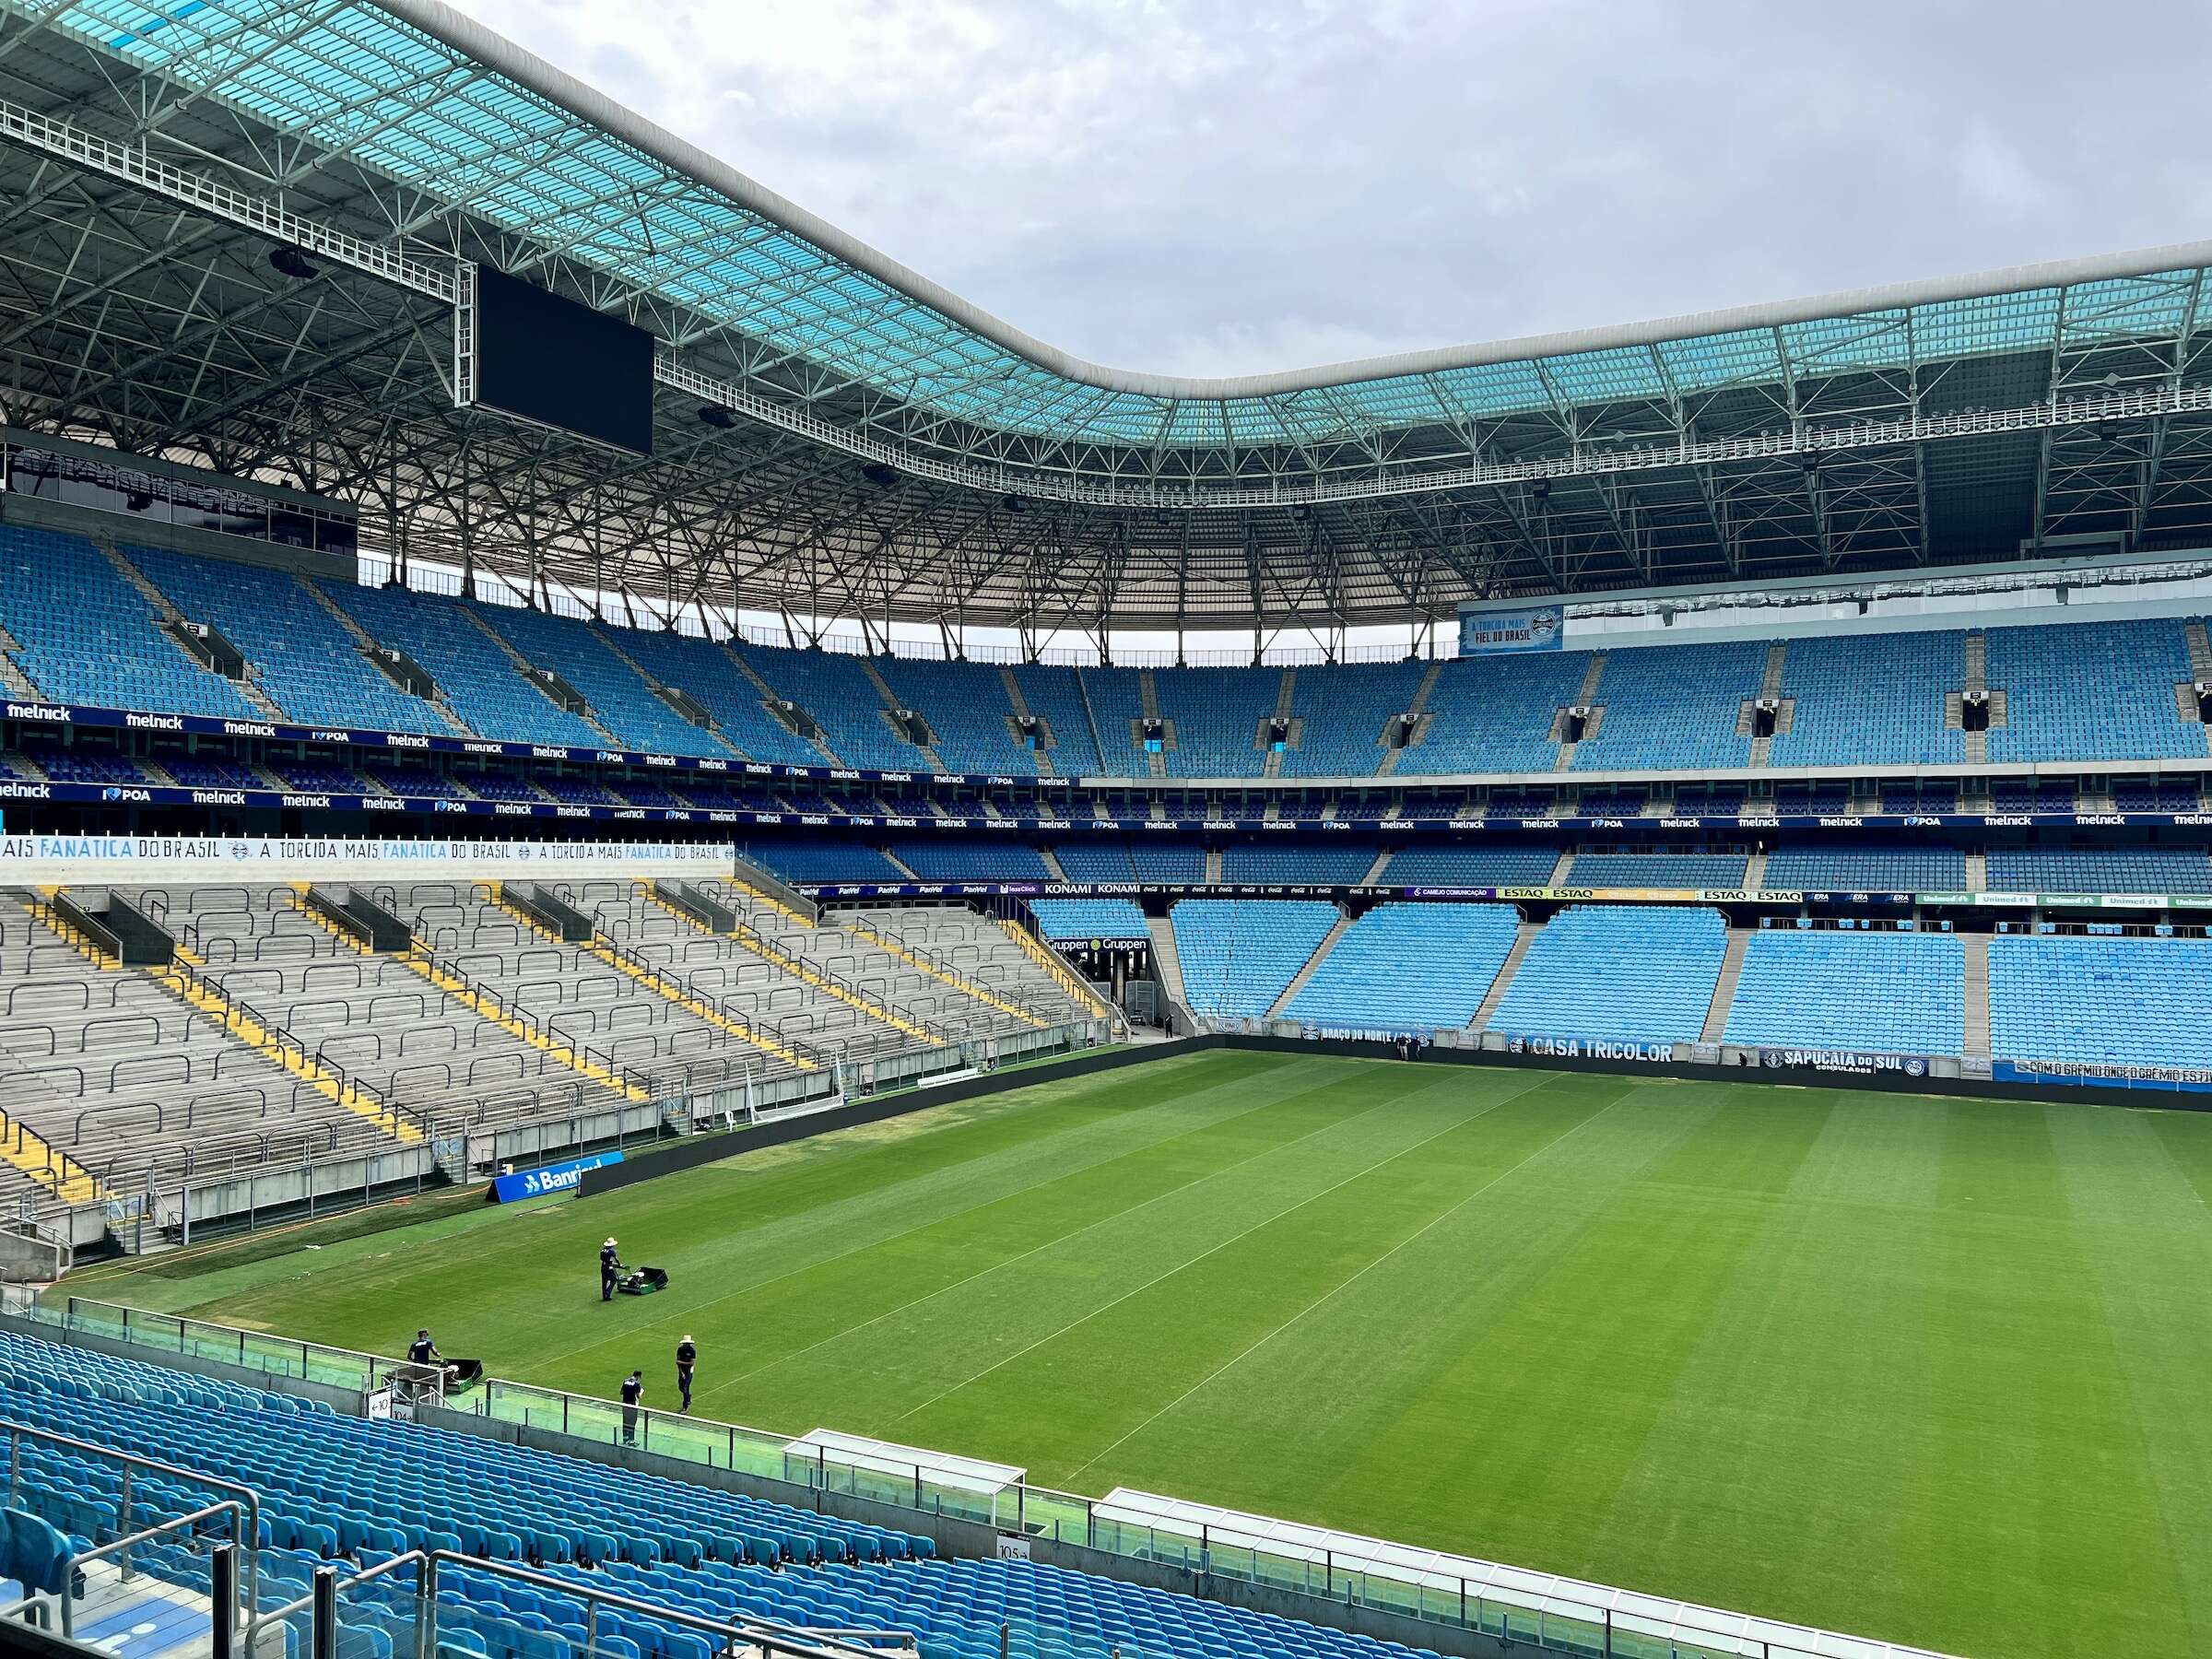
point(687, 1358)
point(610, 1270)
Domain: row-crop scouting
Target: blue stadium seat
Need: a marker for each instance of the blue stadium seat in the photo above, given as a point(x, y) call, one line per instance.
point(835, 690)
point(1496, 713)
point(306, 663)
point(479, 682)
point(2099, 870)
point(1674, 707)
point(1890, 993)
point(1344, 711)
point(1617, 973)
point(1055, 696)
point(968, 713)
point(1472, 864)
point(822, 861)
point(945, 858)
point(638, 716)
point(2091, 691)
point(1328, 861)
point(1218, 714)
point(86, 635)
point(1088, 918)
point(1858, 867)
point(1876, 698)
point(2069, 997)
point(706, 672)
point(1660, 869)
point(1410, 966)
point(1238, 954)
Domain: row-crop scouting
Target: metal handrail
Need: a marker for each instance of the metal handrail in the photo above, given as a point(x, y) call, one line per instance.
point(730, 1635)
point(17, 1432)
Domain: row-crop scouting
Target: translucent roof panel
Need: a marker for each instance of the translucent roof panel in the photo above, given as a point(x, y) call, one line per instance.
point(489, 141)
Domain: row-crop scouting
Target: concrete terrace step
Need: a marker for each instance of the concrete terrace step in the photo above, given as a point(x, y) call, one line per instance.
point(1523, 939)
point(1297, 981)
point(1723, 990)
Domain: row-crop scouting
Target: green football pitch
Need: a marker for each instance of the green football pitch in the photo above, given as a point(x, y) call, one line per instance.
point(1935, 1372)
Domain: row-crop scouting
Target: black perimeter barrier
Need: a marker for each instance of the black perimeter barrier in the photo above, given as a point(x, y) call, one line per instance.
point(713, 1148)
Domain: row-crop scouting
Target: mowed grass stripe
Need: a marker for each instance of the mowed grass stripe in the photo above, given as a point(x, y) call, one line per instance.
point(885, 1373)
point(1577, 1359)
point(1370, 1420)
point(1138, 1351)
point(786, 1303)
point(844, 1298)
point(1809, 1345)
point(2140, 1222)
point(1377, 1416)
point(1930, 1370)
point(715, 1226)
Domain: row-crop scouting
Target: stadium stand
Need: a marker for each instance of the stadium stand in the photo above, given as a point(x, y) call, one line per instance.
point(836, 692)
point(630, 709)
point(1919, 867)
point(709, 674)
point(1617, 973)
point(477, 680)
point(2115, 1000)
point(2131, 794)
point(1116, 701)
point(2099, 870)
point(1055, 696)
point(195, 771)
point(1461, 864)
point(1330, 862)
point(1673, 707)
point(330, 1484)
point(1216, 715)
point(1342, 711)
point(1876, 698)
point(304, 660)
point(82, 765)
point(968, 712)
point(1497, 715)
point(318, 775)
point(968, 858)
point(1715, 869)
point(1167, 861)
point(421, 1486)
point(85, 635)
point(1088, 918)
point(1410, 966)
point(823, 861)
point(2101, 689)
point(1886, 993)
point(1239, 955)
point(1099, 861)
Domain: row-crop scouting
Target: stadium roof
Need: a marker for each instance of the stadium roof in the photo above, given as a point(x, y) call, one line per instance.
point(2054, 405)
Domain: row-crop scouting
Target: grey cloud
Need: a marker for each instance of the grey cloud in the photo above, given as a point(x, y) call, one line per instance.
point(1201, 188)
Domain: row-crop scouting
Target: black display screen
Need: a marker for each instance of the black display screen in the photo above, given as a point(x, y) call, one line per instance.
point(561, 364)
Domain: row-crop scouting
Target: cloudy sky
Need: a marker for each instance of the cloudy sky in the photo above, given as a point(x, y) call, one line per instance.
point(1226, 186)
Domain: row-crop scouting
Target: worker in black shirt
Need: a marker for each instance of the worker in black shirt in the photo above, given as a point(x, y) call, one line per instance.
point(422, 1350)
point(610, 1268)
point(687, 1356)
point(633, 1392)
